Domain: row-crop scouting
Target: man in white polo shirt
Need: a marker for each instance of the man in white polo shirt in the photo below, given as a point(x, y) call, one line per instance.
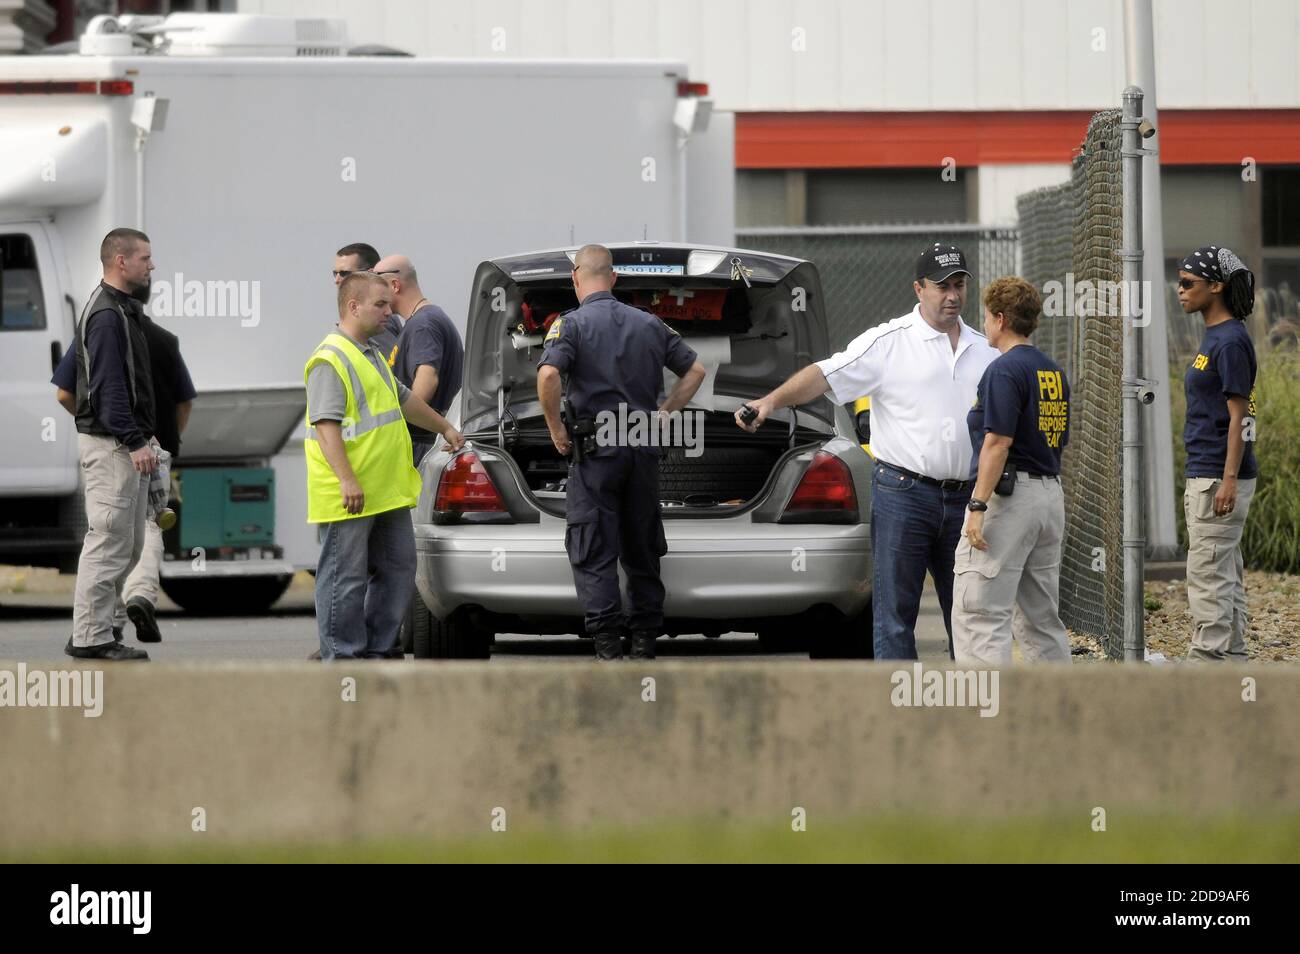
point(920, 371)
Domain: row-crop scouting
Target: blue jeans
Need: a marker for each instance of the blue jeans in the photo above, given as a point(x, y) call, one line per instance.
point(364, 582)
point(914, 527)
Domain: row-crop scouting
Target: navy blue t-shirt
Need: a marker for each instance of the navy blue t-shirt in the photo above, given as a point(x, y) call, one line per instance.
point(430, 337)
point(1023, 395)
point(1225, 365)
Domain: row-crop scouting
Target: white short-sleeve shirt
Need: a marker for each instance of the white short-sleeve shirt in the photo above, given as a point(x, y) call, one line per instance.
point(920, 388)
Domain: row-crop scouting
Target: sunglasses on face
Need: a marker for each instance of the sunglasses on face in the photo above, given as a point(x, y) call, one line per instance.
point(344, 274)
point(1189, 282)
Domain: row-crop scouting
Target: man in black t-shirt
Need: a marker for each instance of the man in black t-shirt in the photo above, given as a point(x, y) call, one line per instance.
point(1008, 563)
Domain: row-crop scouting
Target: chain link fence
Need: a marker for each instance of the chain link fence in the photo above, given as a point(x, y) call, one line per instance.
point(867, 271)
point(1071, 236)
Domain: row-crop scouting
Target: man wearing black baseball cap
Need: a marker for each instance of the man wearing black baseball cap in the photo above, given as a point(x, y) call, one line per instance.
point(938, 263)
point(921, 371)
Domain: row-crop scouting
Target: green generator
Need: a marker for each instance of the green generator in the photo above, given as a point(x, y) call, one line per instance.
point(227, 507)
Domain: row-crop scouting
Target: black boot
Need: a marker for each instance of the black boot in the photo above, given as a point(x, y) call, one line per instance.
point(140, 611)
point(643, 643)
point(609, 645)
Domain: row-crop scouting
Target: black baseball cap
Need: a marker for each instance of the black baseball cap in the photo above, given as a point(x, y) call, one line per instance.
point(939, 262)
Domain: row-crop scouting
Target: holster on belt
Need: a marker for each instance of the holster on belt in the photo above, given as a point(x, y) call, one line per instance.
point(581, 431)
point(1006, 485)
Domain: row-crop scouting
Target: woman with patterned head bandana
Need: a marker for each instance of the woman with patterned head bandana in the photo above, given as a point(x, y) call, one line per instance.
point(1219, 435)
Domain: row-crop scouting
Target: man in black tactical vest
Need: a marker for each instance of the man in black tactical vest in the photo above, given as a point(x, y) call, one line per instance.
point(115, 421)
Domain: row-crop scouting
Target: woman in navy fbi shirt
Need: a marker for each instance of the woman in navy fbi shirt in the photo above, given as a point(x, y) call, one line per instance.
point(1219, 436)
point(1009, 557)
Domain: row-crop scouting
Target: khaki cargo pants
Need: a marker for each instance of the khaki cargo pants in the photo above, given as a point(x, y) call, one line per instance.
point(117, 498)
point(1216, 587)
point(1012, 589)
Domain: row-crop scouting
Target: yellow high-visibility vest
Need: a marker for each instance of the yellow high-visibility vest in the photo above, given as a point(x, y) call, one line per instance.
point(374, 434)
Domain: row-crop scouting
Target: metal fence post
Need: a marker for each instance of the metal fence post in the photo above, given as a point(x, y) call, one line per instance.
point(1132, 157)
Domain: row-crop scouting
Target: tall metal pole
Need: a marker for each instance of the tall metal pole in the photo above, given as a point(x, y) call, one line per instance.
point(1131, 156)
point(1140, 71)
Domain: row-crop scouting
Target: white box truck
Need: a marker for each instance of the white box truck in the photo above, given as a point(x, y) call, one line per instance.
point(250, 148)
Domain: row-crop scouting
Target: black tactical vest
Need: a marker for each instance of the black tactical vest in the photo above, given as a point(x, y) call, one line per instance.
point(138, 376)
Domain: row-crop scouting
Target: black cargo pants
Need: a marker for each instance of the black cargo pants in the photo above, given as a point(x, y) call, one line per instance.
point(612, 505)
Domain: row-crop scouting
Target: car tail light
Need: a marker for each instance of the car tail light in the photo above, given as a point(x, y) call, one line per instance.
point(466, 487)
point(825, 486)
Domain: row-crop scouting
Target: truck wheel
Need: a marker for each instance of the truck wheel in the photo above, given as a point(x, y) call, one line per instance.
point(844, 638)
point(227, 595)
point(455, 637)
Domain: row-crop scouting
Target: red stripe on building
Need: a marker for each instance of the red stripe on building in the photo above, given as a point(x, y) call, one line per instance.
point(900, 140)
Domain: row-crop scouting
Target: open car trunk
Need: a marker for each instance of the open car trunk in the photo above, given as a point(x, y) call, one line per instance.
point(729, 471)
point(752, 324)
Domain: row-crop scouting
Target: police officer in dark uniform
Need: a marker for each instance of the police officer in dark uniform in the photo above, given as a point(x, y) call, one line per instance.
point(612, 354)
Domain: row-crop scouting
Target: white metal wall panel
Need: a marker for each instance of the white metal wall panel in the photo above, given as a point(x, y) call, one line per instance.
point(1274, 29)
point(1093, 41)
point(999, 185)
point(861, 43)
point(1180, 74)
point(632, 30)
point(954, 53)
point(816, 70)
point(1045, 67)
point(869, 54)
point(762, 29)
point(908, 78)
point(998, 60)
point(1226, 57)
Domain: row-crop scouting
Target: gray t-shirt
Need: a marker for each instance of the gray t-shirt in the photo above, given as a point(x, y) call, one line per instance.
point(327, 398)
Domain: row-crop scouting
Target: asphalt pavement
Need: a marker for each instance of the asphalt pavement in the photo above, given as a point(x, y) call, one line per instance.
point(36, 616)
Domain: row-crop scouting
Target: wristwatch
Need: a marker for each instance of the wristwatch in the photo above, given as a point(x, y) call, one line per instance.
point(977, 506)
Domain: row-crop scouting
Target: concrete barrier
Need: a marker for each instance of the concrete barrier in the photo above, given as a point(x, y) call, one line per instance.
point(280, 751)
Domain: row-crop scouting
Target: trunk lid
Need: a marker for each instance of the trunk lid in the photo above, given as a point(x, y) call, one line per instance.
point(754, 318)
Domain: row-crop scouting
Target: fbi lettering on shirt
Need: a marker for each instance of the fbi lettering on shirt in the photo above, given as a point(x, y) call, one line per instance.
point(1052, 406)
point(1202, 362)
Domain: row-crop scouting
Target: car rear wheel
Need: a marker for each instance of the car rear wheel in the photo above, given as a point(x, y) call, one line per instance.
point(406, 632)
point(455, 637)
point(783, 640)
point(844, 638)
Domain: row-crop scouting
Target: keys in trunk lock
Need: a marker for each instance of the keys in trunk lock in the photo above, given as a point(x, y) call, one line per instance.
point(739, 272)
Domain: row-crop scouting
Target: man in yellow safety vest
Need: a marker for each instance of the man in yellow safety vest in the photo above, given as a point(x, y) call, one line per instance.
point(360, 482)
